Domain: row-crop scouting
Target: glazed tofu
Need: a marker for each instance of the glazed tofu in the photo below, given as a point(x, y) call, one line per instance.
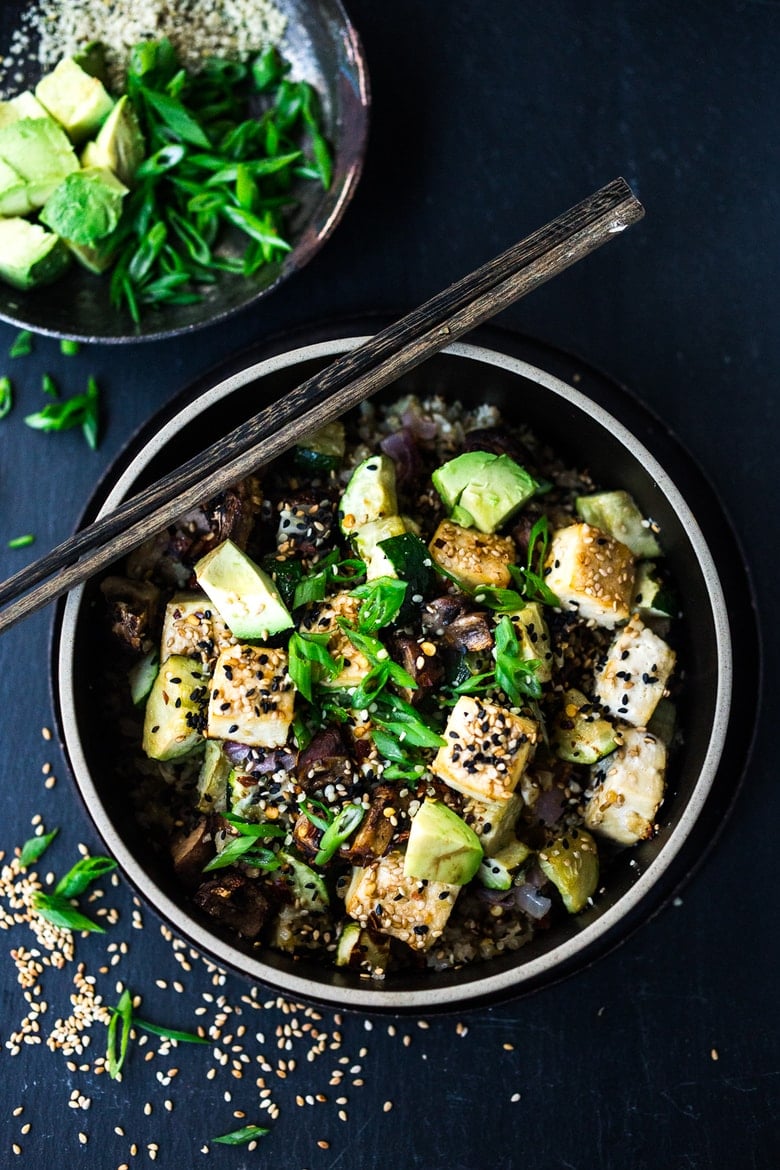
point(473, 558)
point(323, 618)
point(486, 751)
point(493, 823)
point(629, 788)
point(633, 679)
point(193, 628)
point(411, 910)
point(252, 697)
point(591, 573)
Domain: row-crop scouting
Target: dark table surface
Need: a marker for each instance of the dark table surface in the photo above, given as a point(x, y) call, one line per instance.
point(488, 119)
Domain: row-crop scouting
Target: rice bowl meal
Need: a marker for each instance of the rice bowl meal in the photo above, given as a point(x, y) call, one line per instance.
point(399, 702)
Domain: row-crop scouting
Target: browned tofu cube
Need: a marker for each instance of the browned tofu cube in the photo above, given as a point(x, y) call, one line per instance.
point(591, 573)
point(473, 558)
point(486, 751)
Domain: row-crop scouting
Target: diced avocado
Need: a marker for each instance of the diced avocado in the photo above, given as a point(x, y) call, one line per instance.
point(367, 543)
point(97, 258)
point(14, 199)
point(487, 488)
point(581, 734)
point(572, 864)
point(370, 493)
point(24, 105)
point(76, 99)
point(85, 207)
point(29, 255)
point(39, 151)
point(617, 514)
point(120, 145)
point(451, 478)
point(651, 596)
point(174, 709)
point(441, 846)
point(663, 722)
point(495, 872)
point(142, 675)
point(323, 450)
point(213, 778)
point(533, 638)
point(308, 886)
point(245, 596)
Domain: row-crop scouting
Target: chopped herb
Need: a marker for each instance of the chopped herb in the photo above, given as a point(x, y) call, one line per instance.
point(169, 1033)
point(310, 661)
point(381, 601)
point(530, 578)
point(82, 875)
point(21, 541)
point(342, 827)
point(22, 345)
point(122, 1012)
point(49, 386)
point(240, 1137)
point(69, 348)
point(60, 912)
point(515, 675)
point(33, 849)
point(81, 410)
point(6, 396)
point(245, 848)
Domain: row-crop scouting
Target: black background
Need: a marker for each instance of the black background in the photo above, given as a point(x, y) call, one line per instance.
point(488, 119)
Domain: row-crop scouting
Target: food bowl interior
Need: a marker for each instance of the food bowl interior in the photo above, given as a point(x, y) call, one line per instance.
point(323, 49)
point(587, 438)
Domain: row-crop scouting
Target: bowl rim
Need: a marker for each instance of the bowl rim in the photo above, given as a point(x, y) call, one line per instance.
point(551, 964)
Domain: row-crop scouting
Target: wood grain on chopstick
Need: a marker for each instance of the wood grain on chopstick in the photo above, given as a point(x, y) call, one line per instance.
point(347, 381)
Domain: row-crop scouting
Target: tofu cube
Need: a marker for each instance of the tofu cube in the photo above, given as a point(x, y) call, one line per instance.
point(322, 618)
point(473, 558)
point(193, 628)
point(591, 573)
point(493, 823)
point(407, 908)
point(629, 787)
point(252, 697)
point(486, 751)
point(633, 679)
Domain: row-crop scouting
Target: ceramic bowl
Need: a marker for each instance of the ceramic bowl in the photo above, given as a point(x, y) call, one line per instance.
point(591, 422)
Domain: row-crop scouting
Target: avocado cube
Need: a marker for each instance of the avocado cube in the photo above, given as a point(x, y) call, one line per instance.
point(633, 679)
point(252, 697)
point(173, 719)
point(410, 909)
point(370, 494)
point(571, 863)
point(193, 627)
point(40, 153)
point(628, 787)
point(473, 558)
point(243, 594)
point(24, 105)
point(591, 574)
point(85, 207)
point(490, 488)
point(75, 99)
point(323, 618)
point(617, 514)
point(120, 145)
point(441, 846)
point(29, 255)
point(533, 638)
point(487, 748)
point(14, 198)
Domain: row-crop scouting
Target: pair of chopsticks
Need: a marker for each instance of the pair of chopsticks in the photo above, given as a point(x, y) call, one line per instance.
point(343, 384)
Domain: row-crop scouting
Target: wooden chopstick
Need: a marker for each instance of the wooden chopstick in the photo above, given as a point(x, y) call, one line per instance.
point(347, 381)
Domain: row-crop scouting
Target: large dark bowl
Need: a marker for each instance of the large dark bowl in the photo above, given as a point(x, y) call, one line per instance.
point(324, 49)
point(623, 445)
